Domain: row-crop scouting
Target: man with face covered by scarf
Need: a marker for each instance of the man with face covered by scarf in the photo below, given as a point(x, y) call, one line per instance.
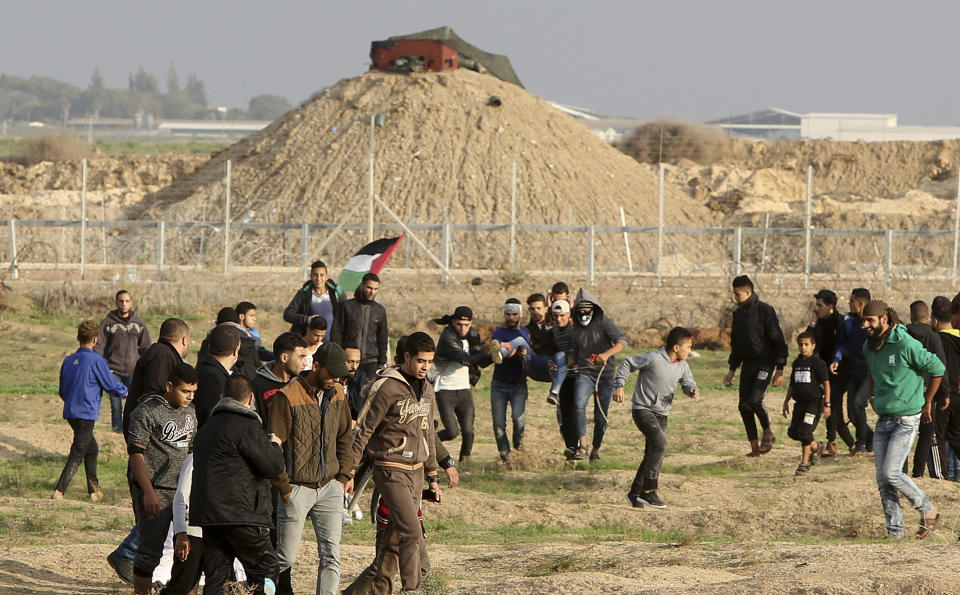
point(897, 364)
point(596, 339)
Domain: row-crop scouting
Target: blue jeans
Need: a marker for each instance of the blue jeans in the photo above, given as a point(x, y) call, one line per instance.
point(116, 404)
point(127, 550)
point(324, 506)
point(892, 440)
point(502, 393)
point(539, 370)
point(584, 385)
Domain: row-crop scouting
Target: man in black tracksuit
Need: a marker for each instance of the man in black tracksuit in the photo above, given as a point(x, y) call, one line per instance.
point(361, 322)
point(948, 420)
point(233, 461)
point(825, 325)
point(756, 343)
point(931, 445)
point(213, 369)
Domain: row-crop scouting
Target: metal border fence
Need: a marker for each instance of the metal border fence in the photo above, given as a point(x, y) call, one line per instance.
point(732, 239)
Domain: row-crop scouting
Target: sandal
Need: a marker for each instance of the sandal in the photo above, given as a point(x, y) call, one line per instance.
point(928, 525)
point(767, 445)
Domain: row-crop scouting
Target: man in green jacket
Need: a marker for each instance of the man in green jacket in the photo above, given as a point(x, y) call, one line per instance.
point(897, 364)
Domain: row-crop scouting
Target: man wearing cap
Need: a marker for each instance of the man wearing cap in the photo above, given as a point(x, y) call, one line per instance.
point(897, 364)
point(311, 417)
point(460, 355)
point(824, 324)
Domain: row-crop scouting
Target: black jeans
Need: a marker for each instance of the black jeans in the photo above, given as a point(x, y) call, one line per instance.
point(83, 450)
point(186, 573)
point(856, 387)
point(654, 428)
point(251, 545)
point(836, 424)
point(755, 377)
point(457, 410)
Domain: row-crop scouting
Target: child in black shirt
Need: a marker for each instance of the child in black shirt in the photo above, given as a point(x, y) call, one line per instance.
point(809, 374)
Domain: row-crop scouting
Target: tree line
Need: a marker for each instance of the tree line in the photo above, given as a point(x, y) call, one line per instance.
point(45, 98)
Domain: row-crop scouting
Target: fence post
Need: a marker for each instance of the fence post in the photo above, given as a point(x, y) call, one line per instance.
point(590, 236)
point(737, 240)
point(161, 232)
point(304, 248)
point(103, 229)
point(888, 273)
point(445, 254)
point(513, 215)
point(226, 225)
point(626, 240)
point(806, 251)
point(83, 220)
point(14, 270)
point(660, 230)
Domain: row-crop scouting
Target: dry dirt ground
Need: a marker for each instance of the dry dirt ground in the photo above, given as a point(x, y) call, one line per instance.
point(732, 525)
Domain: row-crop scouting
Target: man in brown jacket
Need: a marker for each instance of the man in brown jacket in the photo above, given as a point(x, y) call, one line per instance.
point(398, 433)
point(311, 417)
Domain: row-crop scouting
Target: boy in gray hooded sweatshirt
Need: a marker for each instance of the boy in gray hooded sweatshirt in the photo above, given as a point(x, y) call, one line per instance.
point(660, 372)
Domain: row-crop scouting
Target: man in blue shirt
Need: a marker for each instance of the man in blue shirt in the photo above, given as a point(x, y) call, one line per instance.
point(83, 377)
point(509, 384)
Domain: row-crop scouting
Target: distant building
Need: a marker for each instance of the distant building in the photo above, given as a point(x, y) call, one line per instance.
point(778, 124)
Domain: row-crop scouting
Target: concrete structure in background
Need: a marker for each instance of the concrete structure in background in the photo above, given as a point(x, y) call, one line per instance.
point(778, 124)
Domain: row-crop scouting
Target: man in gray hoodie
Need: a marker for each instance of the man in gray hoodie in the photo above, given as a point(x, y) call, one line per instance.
point(596, 339)
point(123, 338)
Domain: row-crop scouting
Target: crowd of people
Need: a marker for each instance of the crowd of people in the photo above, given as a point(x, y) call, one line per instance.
point(237, 452)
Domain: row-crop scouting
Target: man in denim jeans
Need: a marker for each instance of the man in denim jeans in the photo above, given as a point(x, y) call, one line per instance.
point(897, 364)
point(509, 384)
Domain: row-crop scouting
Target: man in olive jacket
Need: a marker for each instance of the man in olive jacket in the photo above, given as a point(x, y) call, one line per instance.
point(230, 498)
point(311, 417)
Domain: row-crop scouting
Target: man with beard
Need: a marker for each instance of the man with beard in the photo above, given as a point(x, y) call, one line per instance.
point(897, 364)
point(596, 340)
point(123, 338)
point(354, 382)
point(849, 365)
point(756, 342)
point(509, 384)
point(361, 322)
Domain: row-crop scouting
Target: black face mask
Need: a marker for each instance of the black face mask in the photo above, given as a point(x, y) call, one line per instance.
point(584, 316)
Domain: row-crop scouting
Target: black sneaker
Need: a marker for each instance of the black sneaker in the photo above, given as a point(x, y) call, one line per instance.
point(651, 499)
point(552, 399)
point(570, 453)
point(123, 568)
point(634, 501)
point(802, 469)
point(595, 455)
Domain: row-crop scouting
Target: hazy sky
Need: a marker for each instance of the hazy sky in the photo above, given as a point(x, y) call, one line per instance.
point(690, 60)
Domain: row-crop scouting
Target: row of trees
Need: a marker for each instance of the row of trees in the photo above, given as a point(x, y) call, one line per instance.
point(44, 98)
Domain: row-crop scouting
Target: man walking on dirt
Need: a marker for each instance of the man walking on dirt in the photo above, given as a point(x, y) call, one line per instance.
point(849, 365)
point(825, 324)
point(123, 337)
point(897, 364)
point(317, 297)
point(756, 343)
point(361, 322)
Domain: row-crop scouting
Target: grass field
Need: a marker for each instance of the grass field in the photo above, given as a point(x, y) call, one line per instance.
point(732, 525)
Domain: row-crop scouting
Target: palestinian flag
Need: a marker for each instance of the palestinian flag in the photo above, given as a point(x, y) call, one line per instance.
point(369, 259)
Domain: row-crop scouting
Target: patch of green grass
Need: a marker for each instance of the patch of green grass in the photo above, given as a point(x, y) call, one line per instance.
point(29, 476)
point(455, 532)
point(571, 562)
point(726, 468)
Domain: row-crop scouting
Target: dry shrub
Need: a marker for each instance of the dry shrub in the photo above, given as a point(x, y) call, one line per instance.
point(680, 140)
point(53, 147)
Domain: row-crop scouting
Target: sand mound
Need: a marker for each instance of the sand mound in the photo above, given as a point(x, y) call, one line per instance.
point(442, 145)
